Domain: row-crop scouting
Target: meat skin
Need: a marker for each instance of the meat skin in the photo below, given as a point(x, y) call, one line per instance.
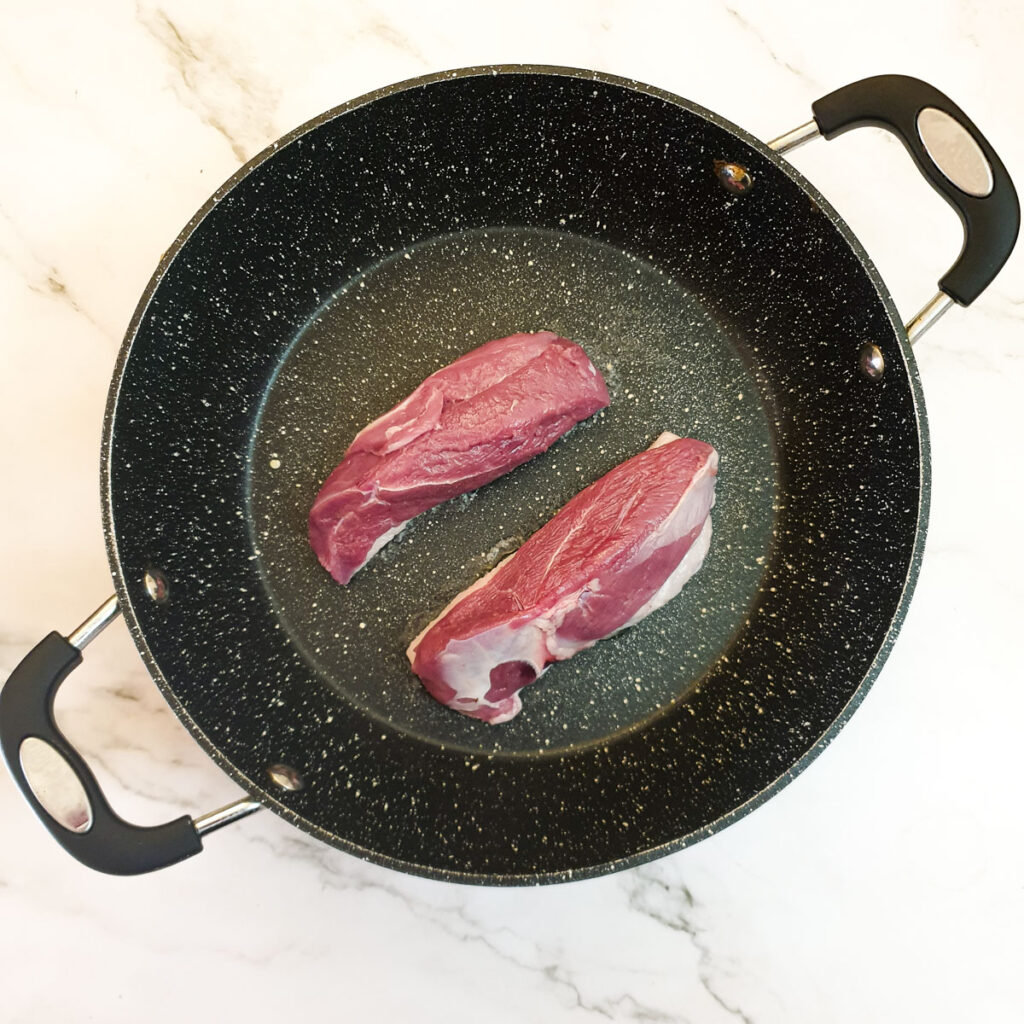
point(465, 425)
point(619, 550)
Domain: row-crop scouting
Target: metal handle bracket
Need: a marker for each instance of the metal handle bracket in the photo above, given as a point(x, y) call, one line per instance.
point(84, 822)
point(952, 155)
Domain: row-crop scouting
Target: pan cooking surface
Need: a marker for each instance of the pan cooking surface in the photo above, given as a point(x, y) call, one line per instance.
point(669, 365)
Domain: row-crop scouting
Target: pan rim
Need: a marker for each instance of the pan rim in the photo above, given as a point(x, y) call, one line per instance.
point(258, 789)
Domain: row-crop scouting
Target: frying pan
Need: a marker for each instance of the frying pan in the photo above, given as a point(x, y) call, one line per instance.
point(721, 296)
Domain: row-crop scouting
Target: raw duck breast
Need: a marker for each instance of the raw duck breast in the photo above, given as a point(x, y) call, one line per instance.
point(620, 549)
point(465, 425)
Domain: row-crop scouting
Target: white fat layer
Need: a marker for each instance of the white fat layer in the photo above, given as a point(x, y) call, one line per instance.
point(692, 561)
point(514, 707)
point(380, 542)
point(466, 664)
point(427, 416)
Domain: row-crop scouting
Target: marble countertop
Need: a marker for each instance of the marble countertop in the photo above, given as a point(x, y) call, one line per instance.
point(884, 884)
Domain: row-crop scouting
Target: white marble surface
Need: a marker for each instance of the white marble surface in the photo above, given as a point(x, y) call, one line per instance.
point(885, 884)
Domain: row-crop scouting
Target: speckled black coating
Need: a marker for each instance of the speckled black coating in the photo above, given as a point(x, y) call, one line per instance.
point(372, 246)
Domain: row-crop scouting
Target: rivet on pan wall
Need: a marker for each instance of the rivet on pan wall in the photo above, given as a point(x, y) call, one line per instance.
point(733, 177)
point(285, 777)
point(871, 361)
point(156, 585)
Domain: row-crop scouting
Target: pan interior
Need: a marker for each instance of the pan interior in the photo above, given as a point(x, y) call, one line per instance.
point(669, 365)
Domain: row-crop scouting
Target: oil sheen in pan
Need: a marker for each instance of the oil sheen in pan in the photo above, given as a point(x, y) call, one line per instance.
point(669, 364)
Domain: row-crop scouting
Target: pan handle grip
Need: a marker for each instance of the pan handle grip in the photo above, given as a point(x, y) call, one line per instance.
point(952, 154)
point(93, 834)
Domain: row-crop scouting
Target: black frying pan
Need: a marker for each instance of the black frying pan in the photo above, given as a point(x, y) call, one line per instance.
point(721, 296)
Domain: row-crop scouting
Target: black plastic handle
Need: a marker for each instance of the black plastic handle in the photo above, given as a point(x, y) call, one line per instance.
point(111, 844)
point(991, 222)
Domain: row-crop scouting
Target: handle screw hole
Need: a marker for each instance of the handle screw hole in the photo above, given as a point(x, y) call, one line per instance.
point(285, 777)
point(871, 361)
point(156, 585)
point(733, 177)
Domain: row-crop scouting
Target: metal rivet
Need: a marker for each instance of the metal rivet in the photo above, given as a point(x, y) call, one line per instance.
point(285, 777)
point(871, 361)
point(156, 585)
point(733, 177)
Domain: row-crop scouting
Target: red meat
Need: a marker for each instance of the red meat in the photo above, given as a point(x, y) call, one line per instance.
point(465, 425)
point(621, 548)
